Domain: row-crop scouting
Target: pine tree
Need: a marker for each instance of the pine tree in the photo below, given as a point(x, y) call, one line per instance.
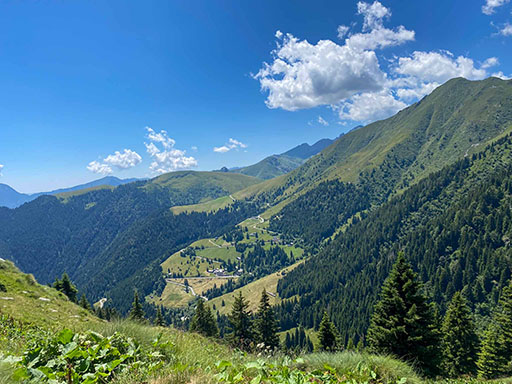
point(266, 324)
point(496, 349)
point(84, 303)
point(65, 286)
point(460, 341)
point(241, 335)
point(327, 334)
point(203, 321)
point(136, 313)
point(403, 322)
point(159, 320)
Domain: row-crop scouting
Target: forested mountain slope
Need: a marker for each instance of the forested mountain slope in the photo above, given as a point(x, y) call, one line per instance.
point(455, 226)
point(103, 237)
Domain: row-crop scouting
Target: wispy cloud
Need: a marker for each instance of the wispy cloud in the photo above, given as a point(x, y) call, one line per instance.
point(322, 121)
point(490, 6)
point(165, 157)
point(231, 144)
point(1, 167)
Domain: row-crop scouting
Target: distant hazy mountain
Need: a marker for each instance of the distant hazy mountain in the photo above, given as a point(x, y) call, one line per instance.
point(277, 165)
point(11, 198)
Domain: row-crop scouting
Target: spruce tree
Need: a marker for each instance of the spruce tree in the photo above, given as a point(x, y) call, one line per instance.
point(403, 322)
point(496, 349)
point(66, 286)
point(84, 303)
point(159, 320)
point(241, 335)
point(327, 334)
point(460, 341)
point(203, 321)
point(266, 324)
point(136, 313)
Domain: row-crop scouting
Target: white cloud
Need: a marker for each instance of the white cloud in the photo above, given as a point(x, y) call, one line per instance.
point(349, 78)
point(322, 121)
point(490, 62)
point(373, 14)
point(194, 148)
point(166, 158)
point(490, 5)
point(506, 30)
point(231, 144)
point(342, 31)
point(304, 75)
point(120, 160)
point(501, 75)
point(97, 167)
point(1, 167)
point(438, 67)
point(125, 160)
point(362, 107)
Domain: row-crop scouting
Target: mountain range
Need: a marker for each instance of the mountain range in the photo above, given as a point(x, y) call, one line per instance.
point(277, 165)
point(433, 181)
point(11, 198)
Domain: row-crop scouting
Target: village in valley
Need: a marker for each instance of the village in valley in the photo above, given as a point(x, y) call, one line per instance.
point(215, 267)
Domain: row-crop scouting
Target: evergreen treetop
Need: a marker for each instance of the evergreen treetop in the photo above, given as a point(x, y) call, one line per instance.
point(266, 324)
point(403, 321)
point(460, 341)
point(203, 321)
point(327, 334)
point(241, 335)
point(137, 312)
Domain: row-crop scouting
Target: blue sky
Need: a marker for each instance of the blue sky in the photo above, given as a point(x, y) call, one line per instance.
point(81, 82)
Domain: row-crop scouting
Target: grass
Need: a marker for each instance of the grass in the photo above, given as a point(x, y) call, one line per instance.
point(207, 206)
point(65, 196)
point(252, 292)
point(391, 370)
point(38, 304)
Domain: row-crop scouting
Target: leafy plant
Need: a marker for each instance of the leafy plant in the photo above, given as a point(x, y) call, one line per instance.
point(87, 358)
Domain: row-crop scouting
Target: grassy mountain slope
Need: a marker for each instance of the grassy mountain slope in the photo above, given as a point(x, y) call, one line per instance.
point(27, 301)
point(271, 166)
point(458, 118)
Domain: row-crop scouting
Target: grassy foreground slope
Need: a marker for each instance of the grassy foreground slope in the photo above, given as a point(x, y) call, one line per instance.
point(28, 324)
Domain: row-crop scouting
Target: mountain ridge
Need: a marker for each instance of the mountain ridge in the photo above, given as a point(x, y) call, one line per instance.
point(11, 198)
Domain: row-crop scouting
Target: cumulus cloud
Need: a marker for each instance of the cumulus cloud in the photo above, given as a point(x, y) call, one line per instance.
point(125, 160)
point(1, 167)
point(349, 77)
point(166, 158)
point(231, 144)
point(362, 107)
point(439, 67)
point(120, 160)
point(490, 6)
point(101, 168)
point(322, 121)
